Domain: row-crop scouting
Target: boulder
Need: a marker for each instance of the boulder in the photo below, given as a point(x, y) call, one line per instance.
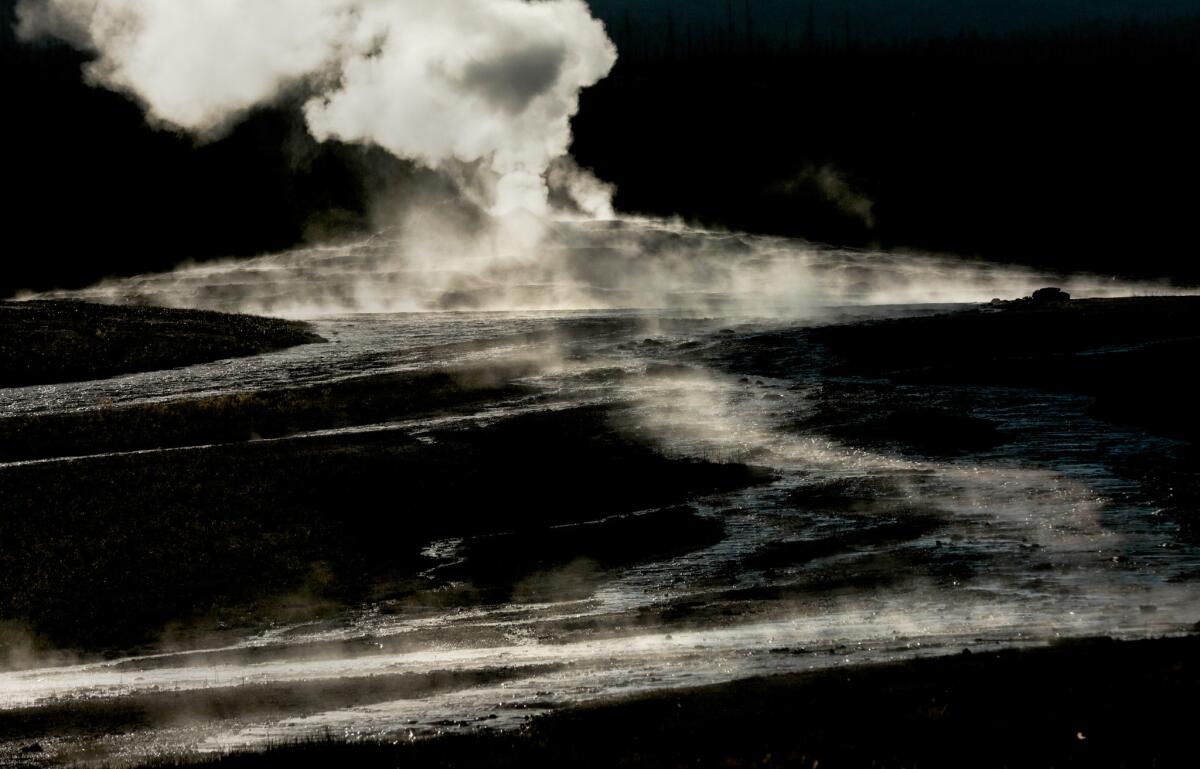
point(1050, 295)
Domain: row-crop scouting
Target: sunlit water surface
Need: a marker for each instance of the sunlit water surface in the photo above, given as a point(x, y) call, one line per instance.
point(1051, 542)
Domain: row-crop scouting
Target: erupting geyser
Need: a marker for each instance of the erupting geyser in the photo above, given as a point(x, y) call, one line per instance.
point(485, 87)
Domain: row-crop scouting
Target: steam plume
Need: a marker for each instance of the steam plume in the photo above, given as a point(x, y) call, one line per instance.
point(491, 83)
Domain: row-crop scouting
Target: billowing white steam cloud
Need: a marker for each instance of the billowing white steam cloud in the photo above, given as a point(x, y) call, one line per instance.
point(488, 82)
point(197, 64)
point(483, 90)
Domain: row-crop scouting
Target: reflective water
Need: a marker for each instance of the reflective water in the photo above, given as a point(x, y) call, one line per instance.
point(1037, 539)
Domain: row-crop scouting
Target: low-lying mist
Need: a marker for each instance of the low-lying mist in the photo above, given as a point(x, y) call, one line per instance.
point(433, 261)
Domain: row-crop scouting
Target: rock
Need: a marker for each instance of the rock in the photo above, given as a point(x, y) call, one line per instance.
point(1050, 295)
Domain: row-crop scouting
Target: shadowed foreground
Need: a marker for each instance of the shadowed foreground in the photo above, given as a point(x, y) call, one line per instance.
point(1084, 703)
point(371, 540)
point(43, 342)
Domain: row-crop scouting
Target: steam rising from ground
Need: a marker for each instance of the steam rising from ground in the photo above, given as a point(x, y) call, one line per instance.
point(445, 82)
point(1047, 536)
point(483, 91)
point(433, 262)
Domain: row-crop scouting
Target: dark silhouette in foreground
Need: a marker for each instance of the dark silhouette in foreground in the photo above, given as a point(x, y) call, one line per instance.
point(42, 342)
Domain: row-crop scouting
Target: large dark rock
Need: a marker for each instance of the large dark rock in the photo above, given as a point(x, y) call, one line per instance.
point(1050, 295)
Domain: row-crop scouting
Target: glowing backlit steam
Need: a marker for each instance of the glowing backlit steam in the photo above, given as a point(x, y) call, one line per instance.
point(482, 90)
point(489, 82)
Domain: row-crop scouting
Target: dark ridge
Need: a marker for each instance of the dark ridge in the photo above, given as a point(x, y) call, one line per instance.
point(1130, 355)
point(1009, 330)
point(43, 342)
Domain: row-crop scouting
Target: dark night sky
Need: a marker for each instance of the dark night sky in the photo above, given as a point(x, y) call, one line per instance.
point(891, 19)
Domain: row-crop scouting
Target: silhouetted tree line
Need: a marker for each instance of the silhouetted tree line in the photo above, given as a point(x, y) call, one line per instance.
point(1074, 150)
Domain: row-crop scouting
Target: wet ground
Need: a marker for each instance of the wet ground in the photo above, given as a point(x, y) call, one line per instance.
point(705, 497)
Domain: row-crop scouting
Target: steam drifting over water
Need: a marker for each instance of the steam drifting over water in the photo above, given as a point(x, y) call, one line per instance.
point(1029, 529)
point(585, 265)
